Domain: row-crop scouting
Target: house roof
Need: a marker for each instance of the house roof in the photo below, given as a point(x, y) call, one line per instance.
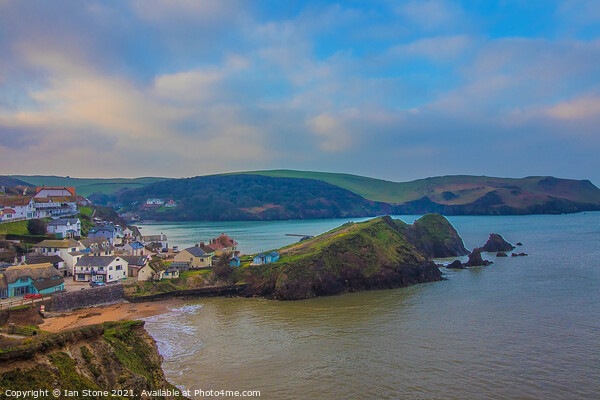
point(274, 254)
point(39, 259)
point(223, 241)
point(48, 283)
point(154, 238)
point(261, 255)
point(97, 229)
point(96, 261)
point(68, 189)
point(101, 241)
point(63, 199)
point(136, 245)
point(171, 270)
point(15, 201)
point(33, 271)
point(136, 260)
point(235, 259)
point(64, 221)
point(196, 251)
point(62, 244)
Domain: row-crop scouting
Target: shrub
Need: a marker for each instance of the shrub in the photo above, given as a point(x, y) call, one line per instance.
point(36, 227)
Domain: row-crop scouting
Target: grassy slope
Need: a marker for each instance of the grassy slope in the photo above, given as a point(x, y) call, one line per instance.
point(87, 186)
point(466, 188)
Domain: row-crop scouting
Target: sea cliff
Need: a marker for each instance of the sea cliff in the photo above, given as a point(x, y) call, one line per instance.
point(118, 357)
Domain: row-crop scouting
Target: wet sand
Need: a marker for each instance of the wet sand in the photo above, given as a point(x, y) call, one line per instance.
point(114, 312)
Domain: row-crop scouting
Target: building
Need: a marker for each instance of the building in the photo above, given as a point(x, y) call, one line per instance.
point(198, 256)
point(65, 227)
point(234, 262)
point(146, 273)
point(98, 246)
point(55, 202)
point(134, 264)
point(134, 248)
point(272, 257)
point(132, 233)
point(169, 273)
point(100, 269)
point(262, 258)
point(108, 232)
point(171, 204)
point(30, 279)
point(154, 240)
point(56, 261)
point(223, 245)
point(155, 202)
point(16, 209)
point(67, 249)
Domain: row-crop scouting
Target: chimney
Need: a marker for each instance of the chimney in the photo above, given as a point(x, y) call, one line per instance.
point(196, 245)
point(202, 244)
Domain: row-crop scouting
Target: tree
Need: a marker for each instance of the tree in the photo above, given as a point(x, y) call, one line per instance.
point(223, 269)
point(36, 227)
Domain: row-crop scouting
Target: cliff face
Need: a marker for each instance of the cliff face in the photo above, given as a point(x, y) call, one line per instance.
point(119, 356)
point(375, 254)
point(435, 237)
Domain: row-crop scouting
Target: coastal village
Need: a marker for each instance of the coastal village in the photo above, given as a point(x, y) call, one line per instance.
point(79, 251)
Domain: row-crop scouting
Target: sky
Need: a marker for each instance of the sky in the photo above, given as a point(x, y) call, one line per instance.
point(397, 90)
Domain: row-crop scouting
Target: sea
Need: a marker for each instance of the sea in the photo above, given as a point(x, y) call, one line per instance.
point(521, 328)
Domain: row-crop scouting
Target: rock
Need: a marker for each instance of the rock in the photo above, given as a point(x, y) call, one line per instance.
point(523, 254)
point(514, 255)
point(519, 244)
point(475, 259)
point(497, 243)
point(501, 254)
point(456, 264)
point(435, 237)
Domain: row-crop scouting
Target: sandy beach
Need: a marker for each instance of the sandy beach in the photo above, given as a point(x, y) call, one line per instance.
point(114, 312)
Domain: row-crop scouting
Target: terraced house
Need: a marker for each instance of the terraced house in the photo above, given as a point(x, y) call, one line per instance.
point(27, 279)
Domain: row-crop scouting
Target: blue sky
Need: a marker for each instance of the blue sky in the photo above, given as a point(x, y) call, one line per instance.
point(398, 90)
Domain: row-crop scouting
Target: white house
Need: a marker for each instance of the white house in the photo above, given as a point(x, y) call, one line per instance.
point(64, 228)
point(68, 249)
point(155, 201)
point(99, 246)
point(16, 208)
point(100, 269)
point(55, 202)
point(160, 239)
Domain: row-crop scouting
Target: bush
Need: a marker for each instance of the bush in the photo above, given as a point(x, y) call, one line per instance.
point(36, 227)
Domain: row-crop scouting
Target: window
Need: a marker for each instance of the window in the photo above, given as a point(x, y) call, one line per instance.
point(119, 267)
point(24, 280)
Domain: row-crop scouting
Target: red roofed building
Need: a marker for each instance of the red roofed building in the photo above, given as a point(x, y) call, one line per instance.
point(54, 191)
point(223, 244)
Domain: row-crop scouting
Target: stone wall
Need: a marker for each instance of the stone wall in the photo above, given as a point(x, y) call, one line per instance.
point(108, 294)
point(219, 291)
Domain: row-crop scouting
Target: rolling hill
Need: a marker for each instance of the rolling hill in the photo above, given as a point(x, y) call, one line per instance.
point(289, 194)
point(87, 186)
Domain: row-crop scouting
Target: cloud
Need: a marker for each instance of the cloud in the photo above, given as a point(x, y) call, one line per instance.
point(579, 108)
point(440, 48)
point(432, 14)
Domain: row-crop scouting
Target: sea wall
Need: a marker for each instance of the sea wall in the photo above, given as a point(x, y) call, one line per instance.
point(87, 298)
point(231, 290)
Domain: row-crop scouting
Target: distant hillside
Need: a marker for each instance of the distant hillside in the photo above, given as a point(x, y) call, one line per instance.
point(12, 182)
point(465, 194)
point(249, 197)
point(87, 186)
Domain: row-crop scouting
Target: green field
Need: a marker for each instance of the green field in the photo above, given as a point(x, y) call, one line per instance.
point(87, 186)
point(14, 228)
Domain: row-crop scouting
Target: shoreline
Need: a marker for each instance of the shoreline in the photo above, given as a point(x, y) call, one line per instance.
point(114, 312)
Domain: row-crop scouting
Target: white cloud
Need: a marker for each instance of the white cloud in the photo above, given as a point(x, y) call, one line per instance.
point(579, 108)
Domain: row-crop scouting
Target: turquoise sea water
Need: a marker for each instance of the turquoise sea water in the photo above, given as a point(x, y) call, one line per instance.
point(523, 328)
